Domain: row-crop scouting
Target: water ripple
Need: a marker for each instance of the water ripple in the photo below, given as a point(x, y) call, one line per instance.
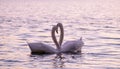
point(92, 19)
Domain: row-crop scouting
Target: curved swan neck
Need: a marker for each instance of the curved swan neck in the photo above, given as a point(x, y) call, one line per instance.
point(61, 33)
point(54, 38)
point(55, 29)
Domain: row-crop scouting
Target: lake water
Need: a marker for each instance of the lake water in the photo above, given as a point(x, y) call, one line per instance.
point(97, 21)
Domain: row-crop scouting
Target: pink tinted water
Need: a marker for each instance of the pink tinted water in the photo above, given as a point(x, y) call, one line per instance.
point(97, 21)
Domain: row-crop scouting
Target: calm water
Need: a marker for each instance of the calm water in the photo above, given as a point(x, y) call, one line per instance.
point(97, 21)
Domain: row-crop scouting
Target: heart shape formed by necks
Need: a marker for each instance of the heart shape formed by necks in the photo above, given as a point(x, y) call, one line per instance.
point(55, 29)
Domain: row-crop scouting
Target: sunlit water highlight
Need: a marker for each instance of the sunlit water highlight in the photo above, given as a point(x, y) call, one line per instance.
point(97, 21)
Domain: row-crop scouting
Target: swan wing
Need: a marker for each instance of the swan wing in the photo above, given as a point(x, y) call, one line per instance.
point(68, 46)
point(72, 46)
point(41, 48)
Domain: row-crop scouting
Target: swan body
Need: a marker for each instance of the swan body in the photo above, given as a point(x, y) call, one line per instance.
point(72, 46)
point(41, 48)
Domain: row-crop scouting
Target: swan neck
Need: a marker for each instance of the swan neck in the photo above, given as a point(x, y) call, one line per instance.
point(54, 37)
point(61, 33)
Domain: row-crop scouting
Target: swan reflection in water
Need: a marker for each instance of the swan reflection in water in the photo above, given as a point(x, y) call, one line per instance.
point(68, 47)
point(57, 62)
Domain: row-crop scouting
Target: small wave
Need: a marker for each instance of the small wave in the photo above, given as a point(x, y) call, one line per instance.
point(118, 44)
point(109, 38)
point(10, 60)
point(1, 44)
point(101, 54)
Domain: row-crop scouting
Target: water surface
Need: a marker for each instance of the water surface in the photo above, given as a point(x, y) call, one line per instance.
point(97, 21)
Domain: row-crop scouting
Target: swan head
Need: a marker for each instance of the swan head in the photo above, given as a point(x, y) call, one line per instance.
point(59, 24)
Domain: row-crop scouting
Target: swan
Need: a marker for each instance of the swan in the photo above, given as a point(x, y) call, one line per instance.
point(41, 48)
point(73, 46)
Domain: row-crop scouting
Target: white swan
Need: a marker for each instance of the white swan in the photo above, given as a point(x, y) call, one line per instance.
point(41, 48)
point(69, 46)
